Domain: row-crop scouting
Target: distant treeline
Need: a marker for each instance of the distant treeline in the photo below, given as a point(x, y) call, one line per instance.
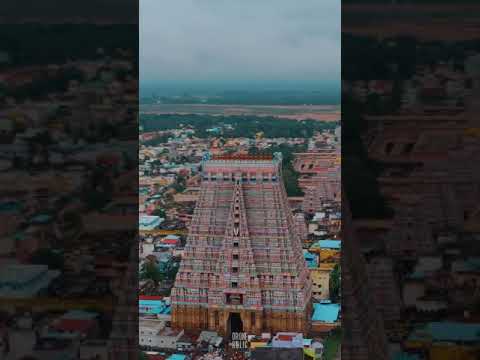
point(241, 126)
point(396, 58)
point(252, 98)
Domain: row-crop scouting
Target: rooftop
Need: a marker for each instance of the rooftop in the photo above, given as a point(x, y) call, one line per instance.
point(325, 312)
point(311, 259)
point(405, 356)
point(79, 315)
point(447, 331)
point(154, 307)
point(242, 157)
point(327, 244)
point(73, 325)
point(177, 357)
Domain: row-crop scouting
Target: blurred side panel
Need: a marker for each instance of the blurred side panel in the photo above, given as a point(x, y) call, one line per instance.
point(410, 105)
point(68, 179)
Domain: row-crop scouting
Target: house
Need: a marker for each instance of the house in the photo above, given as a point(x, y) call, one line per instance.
point(310, 259)
point(147, 247)
point(400, 355)
point(170, 241)
point(327, 249)
point(467, 272)
point(154, 306)
point(75, 324)
point(446, 340)
point(177, 357)
point(287, 340)
point(154, 334)
point(267, 353)
point(25, 281)
point(326, 316)
point(321, 280)
point(210, 337)
point(150, 222)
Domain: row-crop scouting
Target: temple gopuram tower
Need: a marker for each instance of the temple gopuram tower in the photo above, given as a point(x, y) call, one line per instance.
point(243, 267)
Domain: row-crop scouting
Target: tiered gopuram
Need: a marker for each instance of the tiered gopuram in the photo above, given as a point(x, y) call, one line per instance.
point(242, 268)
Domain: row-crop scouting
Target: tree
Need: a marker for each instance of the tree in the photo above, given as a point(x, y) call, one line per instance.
point(96, 199)
point(159, 212)
point(53, 259)
point(99, 190)
point(150, 271)
point(180, 183)
point(335, 283)
point(171, 272)
point(290, 176)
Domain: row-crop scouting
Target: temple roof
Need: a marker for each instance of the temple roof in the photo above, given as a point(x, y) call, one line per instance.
point(242, 157)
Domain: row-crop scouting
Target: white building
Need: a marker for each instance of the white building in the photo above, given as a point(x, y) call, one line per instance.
point(287, 340)
point(153, 333)
point(25, 281)
point(148, 222)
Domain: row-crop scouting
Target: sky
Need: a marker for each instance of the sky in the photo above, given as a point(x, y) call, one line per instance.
point(271, 41)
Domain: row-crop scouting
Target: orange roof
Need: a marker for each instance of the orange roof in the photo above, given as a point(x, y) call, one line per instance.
point(170, 241)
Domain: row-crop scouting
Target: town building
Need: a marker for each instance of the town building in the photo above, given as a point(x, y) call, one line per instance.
point(327, 249)
point(326, 317)
point(25, 281)
point(154, 334)
point(321, 280)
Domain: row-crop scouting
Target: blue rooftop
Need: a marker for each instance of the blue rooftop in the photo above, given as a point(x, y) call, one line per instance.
point(328, 244)
point(471, 264)
point(417, 275)
point(405, 356)
point(311, 259)
point(448, 331)
point(10, 207)
point(307, 342)
point(41, 219)
point(325, 312)
point(154, 307)
point(149, 222)
point(177, 357)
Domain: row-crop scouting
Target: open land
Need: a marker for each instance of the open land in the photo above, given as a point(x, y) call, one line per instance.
point(289, 112)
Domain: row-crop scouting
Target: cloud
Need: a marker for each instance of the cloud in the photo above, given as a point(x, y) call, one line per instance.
point(209, 40)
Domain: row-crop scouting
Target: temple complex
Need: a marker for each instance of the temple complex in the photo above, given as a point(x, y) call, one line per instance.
point(243, 267)
point(319, 178)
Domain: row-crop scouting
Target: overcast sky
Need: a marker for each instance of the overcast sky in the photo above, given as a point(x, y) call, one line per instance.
point(239, 40)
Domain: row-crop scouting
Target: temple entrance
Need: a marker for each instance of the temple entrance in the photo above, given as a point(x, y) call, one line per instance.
point(235, 324)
